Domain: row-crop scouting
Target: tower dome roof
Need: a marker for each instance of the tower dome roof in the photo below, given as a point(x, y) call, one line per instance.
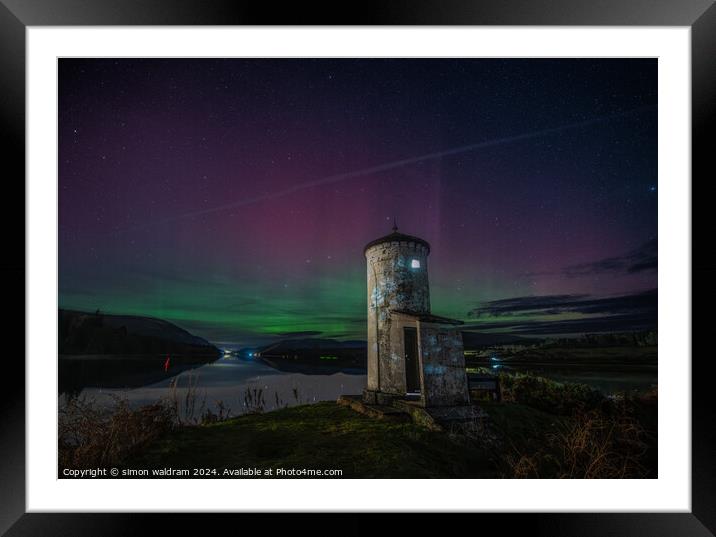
point(396, 236)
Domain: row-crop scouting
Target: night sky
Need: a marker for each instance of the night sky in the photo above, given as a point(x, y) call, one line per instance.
point(234, 197)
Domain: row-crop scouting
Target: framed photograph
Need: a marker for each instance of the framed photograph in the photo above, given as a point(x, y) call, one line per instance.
point(435, 257)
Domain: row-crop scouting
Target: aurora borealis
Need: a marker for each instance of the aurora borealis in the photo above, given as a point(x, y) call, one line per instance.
point(233, 197)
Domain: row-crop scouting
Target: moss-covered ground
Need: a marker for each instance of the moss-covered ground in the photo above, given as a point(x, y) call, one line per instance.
point(327, 435)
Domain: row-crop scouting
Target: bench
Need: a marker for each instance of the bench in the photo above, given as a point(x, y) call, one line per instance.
point(481, 386)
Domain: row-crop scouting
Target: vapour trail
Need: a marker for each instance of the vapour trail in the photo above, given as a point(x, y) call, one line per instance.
point(391, 166)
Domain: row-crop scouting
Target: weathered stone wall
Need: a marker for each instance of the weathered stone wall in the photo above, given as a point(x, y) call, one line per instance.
point(442, 366)
point(393, 284)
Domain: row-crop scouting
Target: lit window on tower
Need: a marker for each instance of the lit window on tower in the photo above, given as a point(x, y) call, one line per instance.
point(415, 263)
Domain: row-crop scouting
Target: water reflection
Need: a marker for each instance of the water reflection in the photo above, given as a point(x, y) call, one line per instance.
point(244, 385)
point(227, 382)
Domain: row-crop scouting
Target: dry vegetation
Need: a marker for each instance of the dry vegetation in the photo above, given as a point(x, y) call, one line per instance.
point(91, 436)
point(592, 445)
point(596, 437)
point(94, 435)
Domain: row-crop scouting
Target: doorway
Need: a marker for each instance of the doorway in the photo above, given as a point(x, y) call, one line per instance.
point(412, 374)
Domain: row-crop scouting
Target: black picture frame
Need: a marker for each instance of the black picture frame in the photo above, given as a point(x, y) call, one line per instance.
point(16, 15)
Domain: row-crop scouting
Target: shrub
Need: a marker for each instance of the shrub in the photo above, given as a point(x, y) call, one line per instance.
point(95, 435)
point(592, 445)
point(90, 435)
point(548, 395)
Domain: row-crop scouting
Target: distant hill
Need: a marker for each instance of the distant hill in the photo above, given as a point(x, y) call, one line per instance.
point(312, 344)
point(315, 355)
point(644, 338)
point(477, 340)
point(471, 340)
point(82, 333)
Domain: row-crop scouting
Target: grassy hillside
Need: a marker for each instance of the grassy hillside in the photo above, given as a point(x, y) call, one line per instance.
point(324, 435)
point(519, 443)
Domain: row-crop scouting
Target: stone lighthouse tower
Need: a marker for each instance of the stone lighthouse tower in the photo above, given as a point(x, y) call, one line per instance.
point(411, 353)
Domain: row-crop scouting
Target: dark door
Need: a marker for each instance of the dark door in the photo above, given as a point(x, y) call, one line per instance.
point(412, 376)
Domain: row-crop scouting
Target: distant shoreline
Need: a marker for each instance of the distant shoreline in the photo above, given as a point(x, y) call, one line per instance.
point(557, 363)
point(163, 355)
